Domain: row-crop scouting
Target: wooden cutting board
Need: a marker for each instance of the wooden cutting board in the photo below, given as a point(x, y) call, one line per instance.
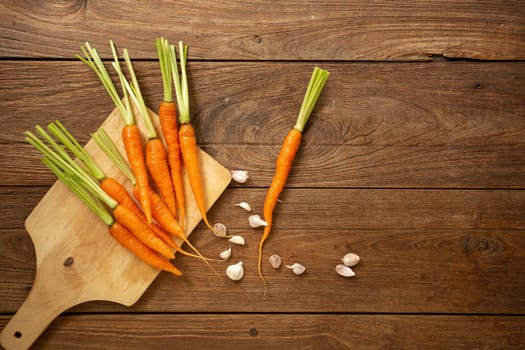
point(77, 260)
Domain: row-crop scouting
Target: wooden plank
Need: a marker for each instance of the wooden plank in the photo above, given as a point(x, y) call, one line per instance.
point(269, 331)
point(376, 125)
point(422, 251)
point(289, 30)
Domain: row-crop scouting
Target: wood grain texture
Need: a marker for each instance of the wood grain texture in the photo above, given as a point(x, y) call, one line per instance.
point(288, 30)
point(422, 251)
point(263, 331)
point(403, 125)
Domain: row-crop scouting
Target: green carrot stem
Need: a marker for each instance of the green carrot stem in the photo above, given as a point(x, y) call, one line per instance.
point(163, 52)
point(80, 191)
point(316, 85)
point(110, 149)
point(136, 95)
point(93, 60)
point(64, 136)
point(64, 161)
point(181, 83)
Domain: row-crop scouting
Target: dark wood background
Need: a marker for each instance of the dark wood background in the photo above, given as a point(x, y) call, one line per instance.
point(413, 159)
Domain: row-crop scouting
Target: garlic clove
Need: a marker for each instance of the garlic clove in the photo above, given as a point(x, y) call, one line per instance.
point(344, 271)
point(235, 272)
point(297, 268)
point(256, 221)
point(226, 254)
point(275, 261)
point(244, 206)
point(240, 176)
point(239, 240)
point(350, 259)
point(220, 230)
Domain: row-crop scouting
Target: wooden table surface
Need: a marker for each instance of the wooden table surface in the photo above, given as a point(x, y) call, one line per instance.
point(414, 159)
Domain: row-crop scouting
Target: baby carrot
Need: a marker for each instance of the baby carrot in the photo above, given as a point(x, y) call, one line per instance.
point(130, 133)
point(168, 122)
point(187, 139)
point(128, 240)
point(287, 154)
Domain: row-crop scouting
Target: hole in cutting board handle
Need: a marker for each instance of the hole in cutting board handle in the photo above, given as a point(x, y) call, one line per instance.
point(17, 335)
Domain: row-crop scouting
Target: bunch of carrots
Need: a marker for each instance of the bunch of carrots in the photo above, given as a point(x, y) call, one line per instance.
point(146, 221)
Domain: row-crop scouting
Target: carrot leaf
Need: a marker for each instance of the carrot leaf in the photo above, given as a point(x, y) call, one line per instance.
point(181, 83)
point(110, 149)
point(316, 85)
point(163, 52)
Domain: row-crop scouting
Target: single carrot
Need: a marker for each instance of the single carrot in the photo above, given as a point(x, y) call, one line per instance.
point(75, 181)
point(168, 122)
point(187, 139)
point(129, 241)
point(287, 154)
point(130, 133)
point(156, 160)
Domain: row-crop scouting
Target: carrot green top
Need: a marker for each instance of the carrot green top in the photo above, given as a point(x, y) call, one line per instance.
point(94, 62)
point(163, 51)
point(316, 85)
point(181, 85)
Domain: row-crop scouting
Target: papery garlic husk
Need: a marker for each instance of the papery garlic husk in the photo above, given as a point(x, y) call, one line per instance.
point(220, 230)
point(240, 176)
point(256, 221)
point(245, 206)
point(275, 260)
point(226, 254)
point(239, 240)
point(350, 259)
point(297, 268)
point(344, 270)
point(235, 272)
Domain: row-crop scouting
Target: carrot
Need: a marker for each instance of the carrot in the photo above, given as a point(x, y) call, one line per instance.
point(155, 153)
point(168, 122)
point(122, 214)
point(129, 241)
point(187, 139)
point(287, 154)
point(130, 133)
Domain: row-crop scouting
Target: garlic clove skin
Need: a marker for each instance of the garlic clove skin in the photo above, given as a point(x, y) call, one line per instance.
point(240, 176)
point(226, 254)
point(220, 230)
point(344, 270)
point(297, 268)
point(275, 260)
point(239, 240)
point(350, 259)
point(244, 206)
point(235, 272)
point(256, 221)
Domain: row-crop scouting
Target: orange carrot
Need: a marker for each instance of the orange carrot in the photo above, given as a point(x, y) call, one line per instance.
point(168, 122)
point(133, 146)
point(130, 133)
point(141, 230)
point(129, 241)
point(187, 140)
point(287, 154)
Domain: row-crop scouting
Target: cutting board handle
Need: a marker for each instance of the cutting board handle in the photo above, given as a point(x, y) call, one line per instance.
point(38, 310)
